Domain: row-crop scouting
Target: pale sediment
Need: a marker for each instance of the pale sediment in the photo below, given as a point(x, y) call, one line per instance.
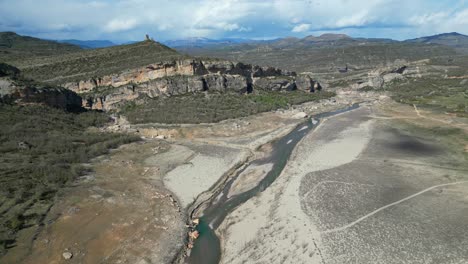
point(199, 173)
point(249, 178)
point(272, 226)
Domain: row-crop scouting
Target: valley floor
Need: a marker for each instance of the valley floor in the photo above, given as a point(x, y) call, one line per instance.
point(364, 187)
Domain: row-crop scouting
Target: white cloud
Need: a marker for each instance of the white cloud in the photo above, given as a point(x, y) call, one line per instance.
point(116, 25)
point(428, 18)
point(301, 28)
point(229, 27)
point(358, 19)
point(172, 19)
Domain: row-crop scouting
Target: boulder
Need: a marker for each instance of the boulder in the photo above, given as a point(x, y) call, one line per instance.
point(300, 115)
point(304, 83)
point(375, 81)
point(8, 70)
point(194, 235)
point(67, 255)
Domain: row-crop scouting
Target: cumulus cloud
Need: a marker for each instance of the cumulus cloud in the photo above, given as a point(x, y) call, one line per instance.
point(301, 28)
point(116, 25)
point(354, 20)
point(173, 19)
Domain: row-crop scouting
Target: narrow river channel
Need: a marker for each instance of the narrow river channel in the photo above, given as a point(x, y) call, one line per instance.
point(207, 248)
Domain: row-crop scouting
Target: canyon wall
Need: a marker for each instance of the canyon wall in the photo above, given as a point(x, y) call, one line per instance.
point(182, 77)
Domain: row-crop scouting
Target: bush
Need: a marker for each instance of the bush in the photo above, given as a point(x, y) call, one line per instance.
point(214, 107)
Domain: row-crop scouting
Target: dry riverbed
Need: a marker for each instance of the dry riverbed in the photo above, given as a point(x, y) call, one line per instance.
point(378, 184)
point(134, 205)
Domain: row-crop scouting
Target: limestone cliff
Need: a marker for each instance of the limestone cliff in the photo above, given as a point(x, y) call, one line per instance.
point(179, 68)
point(181, 77)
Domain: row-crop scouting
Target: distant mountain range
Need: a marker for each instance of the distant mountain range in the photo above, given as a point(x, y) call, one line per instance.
point(454, 40)
point(204, 42)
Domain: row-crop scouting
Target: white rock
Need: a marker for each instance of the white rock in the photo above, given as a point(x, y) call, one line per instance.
point(67, 255)
point(300, 115)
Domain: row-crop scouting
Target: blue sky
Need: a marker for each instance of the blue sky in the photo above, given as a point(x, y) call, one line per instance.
point(124, 20)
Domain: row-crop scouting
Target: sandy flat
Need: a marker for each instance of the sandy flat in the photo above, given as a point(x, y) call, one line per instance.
point(199, 173)
point(249, 178)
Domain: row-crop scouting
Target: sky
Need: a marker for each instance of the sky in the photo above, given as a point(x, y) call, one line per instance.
point(130, 20)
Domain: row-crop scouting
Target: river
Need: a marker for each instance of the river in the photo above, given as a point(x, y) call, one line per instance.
point(207, 249)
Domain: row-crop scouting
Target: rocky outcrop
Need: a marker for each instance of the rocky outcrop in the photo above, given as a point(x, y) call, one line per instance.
point(305, 83)
point(182, 77)
point(15, 90)
point(8, 70)
point(377, 78)
point(276, 83)
point(140, 75)
point(181, 68)
point(28, 94)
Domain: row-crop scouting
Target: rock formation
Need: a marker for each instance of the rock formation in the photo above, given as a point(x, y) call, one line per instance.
point(14, 90)
point(304, 82)
point(182, 77)
point(176, 69)
point(378, 77)
point(51, 96)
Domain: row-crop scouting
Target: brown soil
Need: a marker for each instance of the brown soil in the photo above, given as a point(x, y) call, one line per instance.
point(120, 214)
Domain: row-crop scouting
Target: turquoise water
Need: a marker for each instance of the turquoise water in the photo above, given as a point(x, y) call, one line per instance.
point(207, 249)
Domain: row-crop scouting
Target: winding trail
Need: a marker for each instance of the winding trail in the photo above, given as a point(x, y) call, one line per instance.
point(389, 205)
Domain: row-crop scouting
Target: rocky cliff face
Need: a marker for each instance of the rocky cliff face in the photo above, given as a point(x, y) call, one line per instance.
point(30, 94)
point(181, 77)
point(15, 90)
point(177, 68)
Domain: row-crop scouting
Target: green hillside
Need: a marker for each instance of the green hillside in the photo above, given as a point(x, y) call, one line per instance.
point(54, 62)
point(15, 48)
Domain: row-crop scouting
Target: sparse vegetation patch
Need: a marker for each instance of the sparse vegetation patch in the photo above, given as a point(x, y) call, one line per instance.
point(41, 150)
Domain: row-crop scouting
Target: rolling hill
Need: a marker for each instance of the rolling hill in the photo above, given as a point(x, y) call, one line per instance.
point(454, 39)
point(323, 54)
point(54, 62)
point(89, 44)
point(14, 48)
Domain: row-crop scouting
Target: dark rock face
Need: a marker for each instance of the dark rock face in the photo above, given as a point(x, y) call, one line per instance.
point(51, 96)
point(399, 70)
point(15, 90)
point(276, 83)
point(316, 87)
point(8, 70)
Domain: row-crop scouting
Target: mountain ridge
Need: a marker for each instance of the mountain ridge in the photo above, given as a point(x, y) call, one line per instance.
point(89, 44)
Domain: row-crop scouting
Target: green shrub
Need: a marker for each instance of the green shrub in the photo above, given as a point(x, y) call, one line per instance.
point(213, 107)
